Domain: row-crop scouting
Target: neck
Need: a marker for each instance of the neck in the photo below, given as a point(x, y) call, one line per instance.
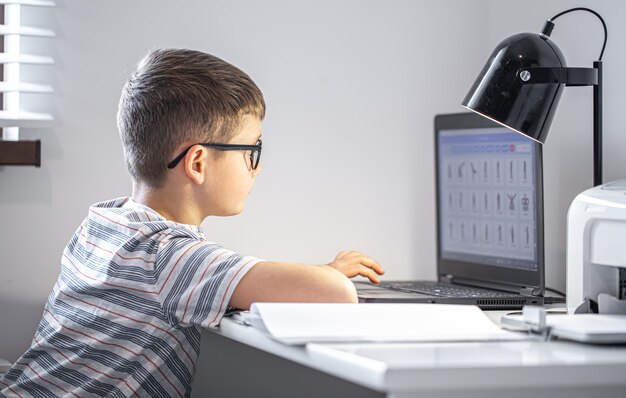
point(181, 209)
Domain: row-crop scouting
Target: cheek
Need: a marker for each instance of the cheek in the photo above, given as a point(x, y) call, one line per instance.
point(236, 192)
point(240, 178)
point(246, 181)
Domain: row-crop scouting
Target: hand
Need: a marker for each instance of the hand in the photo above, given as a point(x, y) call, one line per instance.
point(351, 264)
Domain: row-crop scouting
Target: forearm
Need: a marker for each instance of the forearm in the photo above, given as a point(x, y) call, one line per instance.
point(283, 282)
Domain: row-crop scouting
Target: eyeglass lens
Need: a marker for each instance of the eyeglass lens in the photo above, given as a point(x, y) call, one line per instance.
point(255, 157)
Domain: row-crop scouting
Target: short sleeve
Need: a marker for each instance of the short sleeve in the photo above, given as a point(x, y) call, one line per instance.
point(196, 280)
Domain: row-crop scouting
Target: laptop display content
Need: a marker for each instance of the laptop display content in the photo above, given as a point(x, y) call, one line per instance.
point(489, 220)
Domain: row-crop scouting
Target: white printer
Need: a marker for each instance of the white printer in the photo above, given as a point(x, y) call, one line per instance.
point(596, 272)
point(596, 250)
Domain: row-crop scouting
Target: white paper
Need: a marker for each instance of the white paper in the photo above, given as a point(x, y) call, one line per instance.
point(300, 323)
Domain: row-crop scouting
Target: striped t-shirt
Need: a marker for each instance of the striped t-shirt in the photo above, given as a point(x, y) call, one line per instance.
point(124, 316)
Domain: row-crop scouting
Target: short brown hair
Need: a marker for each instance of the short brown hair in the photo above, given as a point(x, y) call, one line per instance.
point(177, 96)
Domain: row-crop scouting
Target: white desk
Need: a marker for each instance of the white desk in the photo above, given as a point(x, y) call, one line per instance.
point(237, 360)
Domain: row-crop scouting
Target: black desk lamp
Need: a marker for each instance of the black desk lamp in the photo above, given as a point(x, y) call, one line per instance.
point(522, 82)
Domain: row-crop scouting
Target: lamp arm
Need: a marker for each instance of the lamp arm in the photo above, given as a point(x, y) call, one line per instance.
point(559, 75)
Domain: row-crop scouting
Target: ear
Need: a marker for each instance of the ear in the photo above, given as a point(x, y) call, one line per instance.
point(195, 164)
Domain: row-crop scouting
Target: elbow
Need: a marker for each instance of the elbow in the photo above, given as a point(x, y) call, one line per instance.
point(345, 294)
point(349, 294)
point(342, 289)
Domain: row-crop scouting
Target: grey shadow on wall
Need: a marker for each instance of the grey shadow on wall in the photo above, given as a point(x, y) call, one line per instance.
point(25, 185)
point(18, 323)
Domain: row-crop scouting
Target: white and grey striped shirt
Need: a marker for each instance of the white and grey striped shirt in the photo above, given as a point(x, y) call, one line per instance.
point(124, 316)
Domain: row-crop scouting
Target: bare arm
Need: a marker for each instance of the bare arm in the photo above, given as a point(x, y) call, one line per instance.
point(282, 282)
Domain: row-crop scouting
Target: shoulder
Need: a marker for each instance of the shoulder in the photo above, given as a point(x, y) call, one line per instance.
point(180, 241)
point(189, 249)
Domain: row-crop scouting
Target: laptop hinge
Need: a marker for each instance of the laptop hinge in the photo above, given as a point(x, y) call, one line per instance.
point(527, 291)
point(448, 278)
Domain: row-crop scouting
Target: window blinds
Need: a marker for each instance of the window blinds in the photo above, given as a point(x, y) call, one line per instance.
point(12, 116)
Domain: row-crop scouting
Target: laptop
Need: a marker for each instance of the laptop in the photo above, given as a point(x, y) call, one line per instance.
point(489, 203)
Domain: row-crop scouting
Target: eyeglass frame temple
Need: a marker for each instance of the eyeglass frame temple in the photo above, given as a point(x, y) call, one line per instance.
point(222, 147)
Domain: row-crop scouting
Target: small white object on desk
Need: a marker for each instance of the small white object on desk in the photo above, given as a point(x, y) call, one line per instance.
point(584, 328)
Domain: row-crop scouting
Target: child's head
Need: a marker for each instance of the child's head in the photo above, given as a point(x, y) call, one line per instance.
point(181, 97)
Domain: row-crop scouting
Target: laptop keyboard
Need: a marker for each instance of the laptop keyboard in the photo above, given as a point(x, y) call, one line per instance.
point(443, 290)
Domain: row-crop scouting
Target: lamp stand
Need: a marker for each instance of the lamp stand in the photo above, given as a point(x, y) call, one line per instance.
point(597, 126)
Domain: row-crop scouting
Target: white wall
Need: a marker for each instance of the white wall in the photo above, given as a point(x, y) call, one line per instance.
point(351, 88)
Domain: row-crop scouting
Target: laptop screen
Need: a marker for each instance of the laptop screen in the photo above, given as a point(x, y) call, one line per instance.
point(489, 201)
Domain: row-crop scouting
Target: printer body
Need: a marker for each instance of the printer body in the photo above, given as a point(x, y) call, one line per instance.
point(596, 250)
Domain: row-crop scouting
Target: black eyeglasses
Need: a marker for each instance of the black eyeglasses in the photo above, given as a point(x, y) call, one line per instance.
point(255, 152)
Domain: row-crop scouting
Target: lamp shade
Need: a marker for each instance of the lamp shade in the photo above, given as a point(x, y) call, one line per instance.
point(500, 94)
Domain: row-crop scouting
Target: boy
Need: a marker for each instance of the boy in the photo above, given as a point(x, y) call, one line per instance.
point(139, 279)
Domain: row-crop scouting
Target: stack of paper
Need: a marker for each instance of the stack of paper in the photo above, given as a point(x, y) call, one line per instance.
point(300, 323)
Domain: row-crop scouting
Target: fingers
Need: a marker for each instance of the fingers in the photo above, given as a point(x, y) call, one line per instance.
point(369, 274)
point(368, 262)
point(354, 257)
point(353, 263)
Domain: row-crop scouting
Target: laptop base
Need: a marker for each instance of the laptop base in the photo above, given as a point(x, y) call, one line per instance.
point(370, 293)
